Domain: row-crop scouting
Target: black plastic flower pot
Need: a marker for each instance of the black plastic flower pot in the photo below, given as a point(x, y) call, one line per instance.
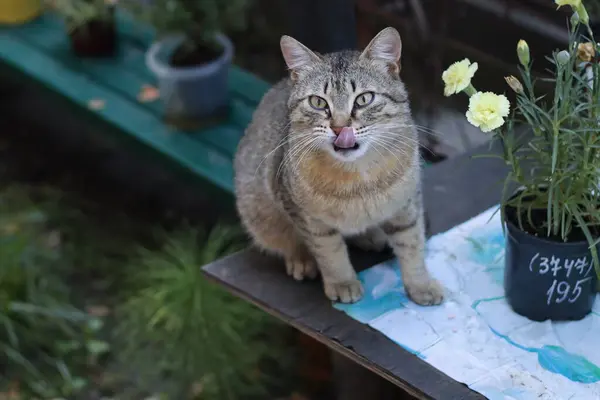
point(547, 279)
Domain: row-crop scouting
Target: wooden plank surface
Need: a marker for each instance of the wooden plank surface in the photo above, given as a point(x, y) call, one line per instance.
point(455, 190)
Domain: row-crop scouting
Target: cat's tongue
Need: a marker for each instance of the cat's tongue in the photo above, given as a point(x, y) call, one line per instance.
point(346, 138)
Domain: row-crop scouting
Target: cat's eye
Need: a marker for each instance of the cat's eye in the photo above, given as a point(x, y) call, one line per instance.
point(318, 103)
point(364, 99)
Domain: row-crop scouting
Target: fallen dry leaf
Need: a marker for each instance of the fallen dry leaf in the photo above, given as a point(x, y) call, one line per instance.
point(148, 93)
point(98, 310)
point(13, 392)
point(96, 104)
point(298, 396)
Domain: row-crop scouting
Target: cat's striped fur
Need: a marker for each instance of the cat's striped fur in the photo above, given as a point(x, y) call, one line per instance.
point(298, 197)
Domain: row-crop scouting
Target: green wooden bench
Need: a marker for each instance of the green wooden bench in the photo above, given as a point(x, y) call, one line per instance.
point(41, 51)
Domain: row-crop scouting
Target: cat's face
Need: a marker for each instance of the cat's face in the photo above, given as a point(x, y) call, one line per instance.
point(348, 104)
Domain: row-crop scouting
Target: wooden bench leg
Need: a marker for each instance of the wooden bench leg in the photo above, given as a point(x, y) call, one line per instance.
point(354, 382)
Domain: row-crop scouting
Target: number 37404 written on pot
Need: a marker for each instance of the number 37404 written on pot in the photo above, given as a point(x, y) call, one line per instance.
point(563, 289)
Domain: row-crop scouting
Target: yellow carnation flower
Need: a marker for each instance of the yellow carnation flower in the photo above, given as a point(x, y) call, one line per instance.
point(458, 76)
point(572, 3)
point(487, 110)
point(580, 15)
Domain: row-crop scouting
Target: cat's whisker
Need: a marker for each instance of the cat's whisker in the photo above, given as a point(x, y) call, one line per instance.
point(401, 138)
point(404, 125)
point(391, 140)
point(419, 144)
point(289, 154)
point(407, 142)
point(395, 136)
point(419, 128)
point(429, 130)
point(392, 145)
point(289, 157)
point(376, 144)
point(281, 143)
point(298, 148)
point(308, 148)
point(394, 151)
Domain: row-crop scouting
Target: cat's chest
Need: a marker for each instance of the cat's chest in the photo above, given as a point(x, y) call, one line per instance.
point(355, 214)
point(351, 200)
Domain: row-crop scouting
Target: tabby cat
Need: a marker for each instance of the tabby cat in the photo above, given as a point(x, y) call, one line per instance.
point(332, 153)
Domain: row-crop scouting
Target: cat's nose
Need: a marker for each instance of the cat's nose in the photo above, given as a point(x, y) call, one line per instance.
point(337, 129)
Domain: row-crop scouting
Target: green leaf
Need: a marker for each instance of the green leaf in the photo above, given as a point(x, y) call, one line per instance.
point(97, 347)
point(69, 346)
point(78, 383)
point(95, 324)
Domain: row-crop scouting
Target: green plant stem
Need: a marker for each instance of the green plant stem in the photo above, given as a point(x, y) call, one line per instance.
point(470, 90)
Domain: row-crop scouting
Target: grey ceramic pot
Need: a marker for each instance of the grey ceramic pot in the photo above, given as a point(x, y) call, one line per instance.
point(191, 92)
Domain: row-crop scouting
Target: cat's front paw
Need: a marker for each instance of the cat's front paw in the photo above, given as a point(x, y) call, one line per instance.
point(426, 293)
point(345, 292)
point(301, 267)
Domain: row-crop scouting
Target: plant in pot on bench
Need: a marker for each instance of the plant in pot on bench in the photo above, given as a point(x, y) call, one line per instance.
point(192, 55)
point(90, 25)
point(551, 204)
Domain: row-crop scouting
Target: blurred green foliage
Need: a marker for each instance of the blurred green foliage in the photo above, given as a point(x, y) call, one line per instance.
point(44, 341)
point(199, 21)
point(211, 341)
point(167, 330)
point(79, 12)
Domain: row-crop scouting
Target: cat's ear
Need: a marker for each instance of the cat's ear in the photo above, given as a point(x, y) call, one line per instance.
point(297, 56)
point(386, 47)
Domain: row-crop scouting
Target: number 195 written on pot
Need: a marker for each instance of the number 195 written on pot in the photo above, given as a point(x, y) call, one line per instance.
point(562, 290)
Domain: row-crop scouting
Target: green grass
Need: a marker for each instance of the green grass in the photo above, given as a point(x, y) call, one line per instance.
point(91, 305)
point(46, 342)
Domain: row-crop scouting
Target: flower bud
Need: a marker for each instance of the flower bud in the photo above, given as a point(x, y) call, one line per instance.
point(563, 57)
point(575, 19)
point(514, 84)
point(523, 52)
point(586, 51)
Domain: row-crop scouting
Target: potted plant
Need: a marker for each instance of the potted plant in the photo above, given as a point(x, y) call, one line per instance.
point(90, 25)
point(192, 55)
point(15, 12)
point(550, 207)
